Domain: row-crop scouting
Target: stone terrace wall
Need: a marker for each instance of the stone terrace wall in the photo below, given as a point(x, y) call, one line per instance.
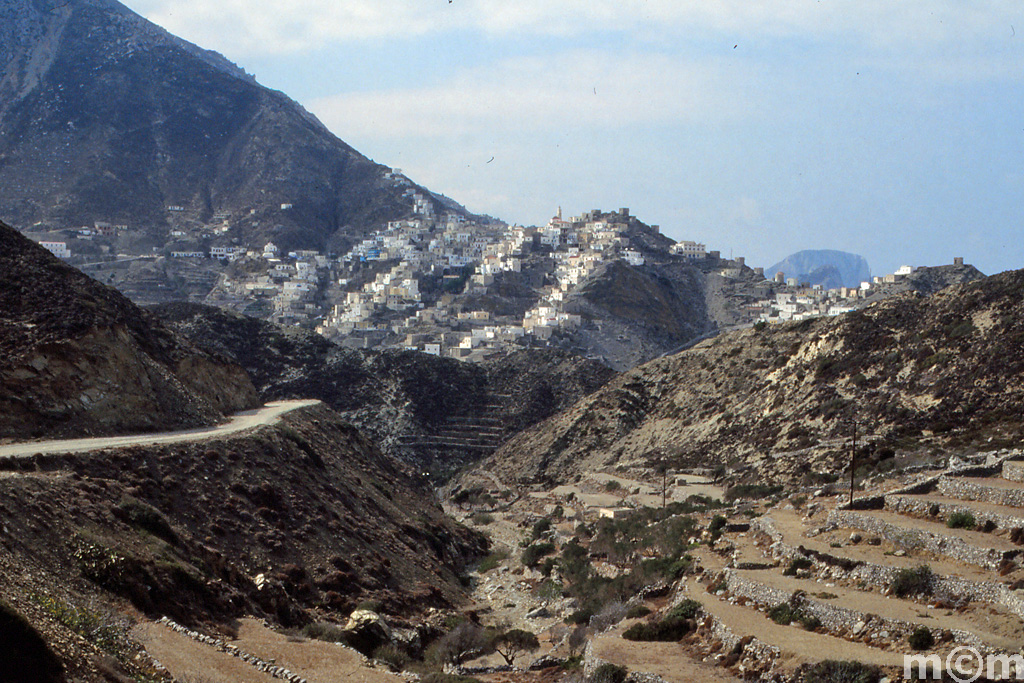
point(922, 507)
point(1013, 470)
point(910, 539)
point(833, 618)
point(957, 487)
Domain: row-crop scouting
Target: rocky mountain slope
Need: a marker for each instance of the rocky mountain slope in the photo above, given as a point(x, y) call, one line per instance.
point(293, 523)
point(826, 267)
point(437, 412)
point(911, 370)
point(79, 358)
point(107, 117)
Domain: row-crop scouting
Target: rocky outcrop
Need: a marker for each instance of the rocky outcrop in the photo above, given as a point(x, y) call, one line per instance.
point(79, 358)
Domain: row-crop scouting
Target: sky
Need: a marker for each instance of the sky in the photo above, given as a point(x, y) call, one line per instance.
point(890, 129)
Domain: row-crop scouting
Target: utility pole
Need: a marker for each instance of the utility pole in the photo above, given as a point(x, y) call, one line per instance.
point(853, 459)
point(664, 488)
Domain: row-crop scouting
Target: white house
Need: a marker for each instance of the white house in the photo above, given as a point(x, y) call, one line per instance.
point(58, 249)
point(690, 249)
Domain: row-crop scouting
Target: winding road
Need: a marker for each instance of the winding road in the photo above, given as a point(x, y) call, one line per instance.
point(268, 414)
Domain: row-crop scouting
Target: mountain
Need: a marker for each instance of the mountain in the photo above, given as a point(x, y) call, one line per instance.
point(106, 117)
point(437, 413)
point(913, 370)
point(79, 358)
point(827, 267)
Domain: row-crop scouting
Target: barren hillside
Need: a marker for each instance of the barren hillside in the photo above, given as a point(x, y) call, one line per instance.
point(947, 368)
point(79, 358)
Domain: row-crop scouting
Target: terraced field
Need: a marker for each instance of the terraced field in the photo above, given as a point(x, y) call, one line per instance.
point(941, 556)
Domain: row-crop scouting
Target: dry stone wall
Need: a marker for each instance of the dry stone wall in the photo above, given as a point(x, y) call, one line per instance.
point(918, 539)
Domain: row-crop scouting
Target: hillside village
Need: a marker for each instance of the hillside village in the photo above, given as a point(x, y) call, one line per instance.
point(430, 282)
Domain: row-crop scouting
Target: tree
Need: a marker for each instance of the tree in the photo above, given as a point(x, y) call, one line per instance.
point(510, 644)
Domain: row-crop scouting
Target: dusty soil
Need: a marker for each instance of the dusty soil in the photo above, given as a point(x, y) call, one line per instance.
point(671, 661)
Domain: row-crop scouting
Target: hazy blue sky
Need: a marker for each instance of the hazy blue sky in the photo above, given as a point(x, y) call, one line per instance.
point(889, 128)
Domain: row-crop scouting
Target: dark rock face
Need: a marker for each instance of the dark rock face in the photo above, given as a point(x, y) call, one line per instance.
point(438, 413)
point(105, 116)
point(946, 368)
point(79, 358)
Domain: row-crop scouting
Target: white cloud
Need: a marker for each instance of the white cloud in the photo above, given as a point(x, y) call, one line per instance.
point(240, 27)
point(523, 95)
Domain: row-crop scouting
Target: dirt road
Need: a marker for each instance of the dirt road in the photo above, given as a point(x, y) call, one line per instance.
point(248, 419)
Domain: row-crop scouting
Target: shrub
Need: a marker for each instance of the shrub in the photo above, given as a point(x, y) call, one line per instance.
point(782, 614)
point(666, 630)
point(103, 629)
point(531, 556)
point(796, 564)
point(492, 561)
point(608, 616)
point(916, 581)
point(833, 671)
point(322, 630)
point(448, 678)
point(961, 519)
point(612, 485)
point(750, 491)
point(392, 656)
point(788, 612)
point(580, 617)
point(921, 638)
point(687, 609)
point(608, 673)
point(146, 517)
point(638, 612)
point(541, 526)
point(482, 518)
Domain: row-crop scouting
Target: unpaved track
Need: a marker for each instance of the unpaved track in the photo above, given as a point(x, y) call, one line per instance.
point(249, 419)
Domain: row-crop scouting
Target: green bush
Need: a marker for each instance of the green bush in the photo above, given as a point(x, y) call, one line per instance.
point(608, 673)
point(322, 630)
point(921, 638)
point(492, 561)
point(395, 658)
point(532, 555)
point(788, 612)
point(448, 678)
point(104, 630)
point(834, 671)
point(666, 630)
point(759, 491)
point(687, 609)
point(638, 611)
point(916, 581)
point(612, 485)
point(146, 517)
point(796, 564)
point(482, 518)
point(541, 526)
point(961, 519)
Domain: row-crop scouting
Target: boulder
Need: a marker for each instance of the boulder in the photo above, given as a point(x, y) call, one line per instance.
point(366, 631)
